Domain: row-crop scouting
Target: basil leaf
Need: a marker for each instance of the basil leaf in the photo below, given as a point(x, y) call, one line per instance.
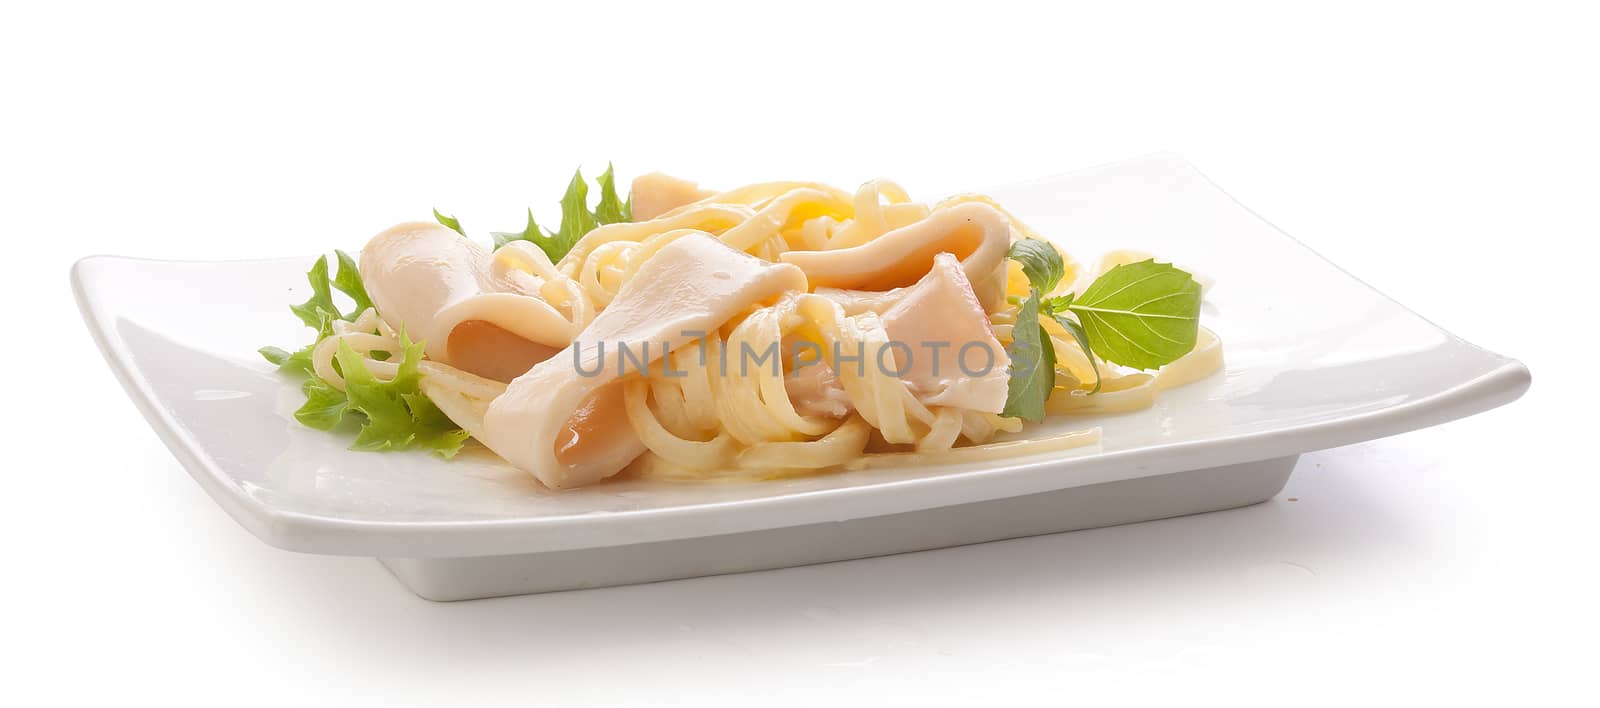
point(1033, 364)
point(1041, 262)
point(1057, 304)
point(1076, 330)
point(449, 221)
point(1144, 315)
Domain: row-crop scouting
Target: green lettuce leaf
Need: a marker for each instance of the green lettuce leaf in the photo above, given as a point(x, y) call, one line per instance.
point(276, 355)
point(348, 281)
point(611, 210)
point(318, 312)
point(531, 232)
point(296, 362)
point(396, 414)
point(435, 431)
point(576, 218)
point(325, 405)
point(393, 415)
point(388, 422)
point(450, 221)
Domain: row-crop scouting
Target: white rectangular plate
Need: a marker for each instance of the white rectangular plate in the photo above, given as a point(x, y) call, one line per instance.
point(1315, 359)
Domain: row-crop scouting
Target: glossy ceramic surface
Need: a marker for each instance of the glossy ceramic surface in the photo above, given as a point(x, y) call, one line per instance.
point(1315, 359)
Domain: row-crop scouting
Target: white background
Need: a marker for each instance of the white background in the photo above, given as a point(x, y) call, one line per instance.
point(1446, 154)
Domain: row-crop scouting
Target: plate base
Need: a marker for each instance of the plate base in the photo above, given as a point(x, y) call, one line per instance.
point(1091, 506)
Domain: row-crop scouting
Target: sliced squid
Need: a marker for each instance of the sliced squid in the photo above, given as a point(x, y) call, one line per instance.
point(976, 233)
point(815, 390)
point(565, 421)
point(441, 288)
point(955, 360)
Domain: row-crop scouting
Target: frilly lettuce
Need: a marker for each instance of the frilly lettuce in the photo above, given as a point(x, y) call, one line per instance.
point(390, 415)
point(576, 217)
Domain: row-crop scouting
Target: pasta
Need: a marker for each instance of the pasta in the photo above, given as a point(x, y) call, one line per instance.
point(862, 311)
